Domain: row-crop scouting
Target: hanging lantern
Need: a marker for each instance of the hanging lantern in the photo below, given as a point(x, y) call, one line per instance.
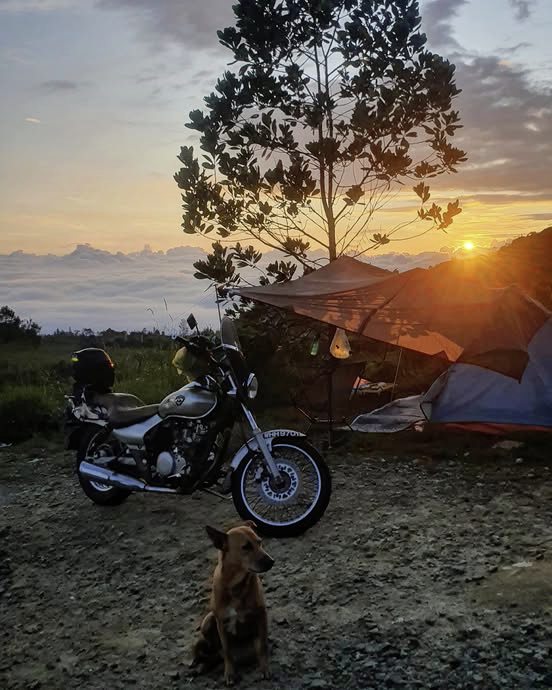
point(340, 347)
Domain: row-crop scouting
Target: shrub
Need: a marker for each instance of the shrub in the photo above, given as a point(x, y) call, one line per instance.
point(27, 410)
point(14, 329)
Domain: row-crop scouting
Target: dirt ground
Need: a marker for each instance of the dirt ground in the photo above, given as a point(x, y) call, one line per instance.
point(424, 573)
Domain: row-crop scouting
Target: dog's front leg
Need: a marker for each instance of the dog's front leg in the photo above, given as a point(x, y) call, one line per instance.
point(261, 644)
point(229, 671)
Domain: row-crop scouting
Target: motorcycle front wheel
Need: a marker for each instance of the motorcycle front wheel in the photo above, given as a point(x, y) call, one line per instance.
point(298, 503)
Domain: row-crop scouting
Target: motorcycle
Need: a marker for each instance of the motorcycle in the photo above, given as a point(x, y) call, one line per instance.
point(180, 446)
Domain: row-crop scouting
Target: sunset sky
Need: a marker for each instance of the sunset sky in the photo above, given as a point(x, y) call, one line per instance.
point(95, 95)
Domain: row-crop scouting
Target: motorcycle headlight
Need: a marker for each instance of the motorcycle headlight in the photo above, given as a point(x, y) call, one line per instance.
point(252, 386)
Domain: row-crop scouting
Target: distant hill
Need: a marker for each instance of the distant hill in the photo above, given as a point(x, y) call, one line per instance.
point(526, 262)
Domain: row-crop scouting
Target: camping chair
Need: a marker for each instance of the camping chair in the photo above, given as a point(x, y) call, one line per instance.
point(325, 398)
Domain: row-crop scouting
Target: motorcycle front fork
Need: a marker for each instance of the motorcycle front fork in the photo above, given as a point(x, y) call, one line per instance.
point(263, 445)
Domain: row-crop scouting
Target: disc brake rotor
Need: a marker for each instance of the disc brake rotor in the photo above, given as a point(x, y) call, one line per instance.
point(289, 486)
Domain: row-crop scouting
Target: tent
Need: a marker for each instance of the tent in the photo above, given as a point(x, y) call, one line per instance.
point(470, 397)
point(487, 401)
point(447, 312)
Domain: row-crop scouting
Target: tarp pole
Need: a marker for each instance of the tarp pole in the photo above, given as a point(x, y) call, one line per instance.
point(330, 400)
point(396, 375)
point(331, 330)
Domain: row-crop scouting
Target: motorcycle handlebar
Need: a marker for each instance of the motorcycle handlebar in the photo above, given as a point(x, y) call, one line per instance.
point(201, 346)
point(197, 344)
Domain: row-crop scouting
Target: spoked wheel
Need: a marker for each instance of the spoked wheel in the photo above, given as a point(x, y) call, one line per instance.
point(93, 447)
point(290, 507)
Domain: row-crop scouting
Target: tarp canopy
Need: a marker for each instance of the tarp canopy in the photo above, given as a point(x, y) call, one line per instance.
point(341, 275)
point(447, 312)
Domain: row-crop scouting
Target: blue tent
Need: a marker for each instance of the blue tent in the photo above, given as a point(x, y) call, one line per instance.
point(470, 395)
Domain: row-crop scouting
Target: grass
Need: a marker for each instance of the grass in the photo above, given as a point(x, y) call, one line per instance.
point(33, 382)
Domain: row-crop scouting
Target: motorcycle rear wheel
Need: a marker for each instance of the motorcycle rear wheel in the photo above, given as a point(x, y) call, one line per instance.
point(291, 509)
point(92, 440)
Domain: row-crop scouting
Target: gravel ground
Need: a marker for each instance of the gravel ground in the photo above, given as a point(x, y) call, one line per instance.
point(422, 574)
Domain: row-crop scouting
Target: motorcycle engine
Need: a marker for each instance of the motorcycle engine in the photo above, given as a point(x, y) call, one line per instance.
point(178, 459)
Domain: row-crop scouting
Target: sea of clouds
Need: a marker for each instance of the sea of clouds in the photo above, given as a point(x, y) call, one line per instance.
point(92, 288)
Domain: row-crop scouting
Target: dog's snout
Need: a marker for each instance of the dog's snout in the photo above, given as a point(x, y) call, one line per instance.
point(266, 563)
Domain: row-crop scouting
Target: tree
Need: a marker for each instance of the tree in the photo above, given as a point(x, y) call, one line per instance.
point(14, 328)
point(335, 106)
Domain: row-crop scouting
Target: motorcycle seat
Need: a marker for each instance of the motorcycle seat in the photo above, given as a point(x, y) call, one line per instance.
point(124, 409)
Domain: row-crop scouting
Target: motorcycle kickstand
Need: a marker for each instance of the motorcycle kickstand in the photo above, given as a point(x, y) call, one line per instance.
point(208, 490)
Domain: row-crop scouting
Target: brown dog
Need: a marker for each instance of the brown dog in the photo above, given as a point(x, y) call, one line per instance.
point(236, 624)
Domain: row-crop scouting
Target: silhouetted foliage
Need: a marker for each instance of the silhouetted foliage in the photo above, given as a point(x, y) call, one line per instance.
point(14, 328)
point(335, 105)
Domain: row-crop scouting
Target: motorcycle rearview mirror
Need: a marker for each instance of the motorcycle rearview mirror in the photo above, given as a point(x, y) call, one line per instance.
point(192, 323)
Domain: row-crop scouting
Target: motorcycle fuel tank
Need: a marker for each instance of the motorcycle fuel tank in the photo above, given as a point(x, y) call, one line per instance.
point(191, 401)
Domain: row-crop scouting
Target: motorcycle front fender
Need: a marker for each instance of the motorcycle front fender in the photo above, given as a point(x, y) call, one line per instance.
point(253, 445)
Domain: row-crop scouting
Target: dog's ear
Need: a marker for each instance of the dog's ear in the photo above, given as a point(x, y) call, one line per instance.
point(218, 538)
point(250, 523)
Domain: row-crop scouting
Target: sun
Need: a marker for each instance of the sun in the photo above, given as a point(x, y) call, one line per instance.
point(469, 246)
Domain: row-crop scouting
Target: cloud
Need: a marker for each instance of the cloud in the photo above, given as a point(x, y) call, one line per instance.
point(182, 22)
point(507, 131)
point(438, 16)
point(505, 198)
point(506, 113)
point(537, 216)
point(98, 289)
point(35, 5)
point(92, 288)
point(59, 85)
point(195, 22)
point(509, 50)
point(523, 8)
point(33, 120)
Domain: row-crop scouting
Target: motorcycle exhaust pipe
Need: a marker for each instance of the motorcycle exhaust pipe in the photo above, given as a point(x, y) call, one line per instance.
point(121, 481)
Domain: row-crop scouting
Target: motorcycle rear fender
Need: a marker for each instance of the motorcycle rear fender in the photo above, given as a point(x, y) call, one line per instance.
point(253, 445)
point(73, 433)
point(72, 438)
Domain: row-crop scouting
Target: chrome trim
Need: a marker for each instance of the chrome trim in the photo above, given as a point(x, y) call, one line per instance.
point(250, 379)
point(233, 392)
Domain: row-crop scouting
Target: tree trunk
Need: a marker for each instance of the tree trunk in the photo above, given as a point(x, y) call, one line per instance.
point(332, 249)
